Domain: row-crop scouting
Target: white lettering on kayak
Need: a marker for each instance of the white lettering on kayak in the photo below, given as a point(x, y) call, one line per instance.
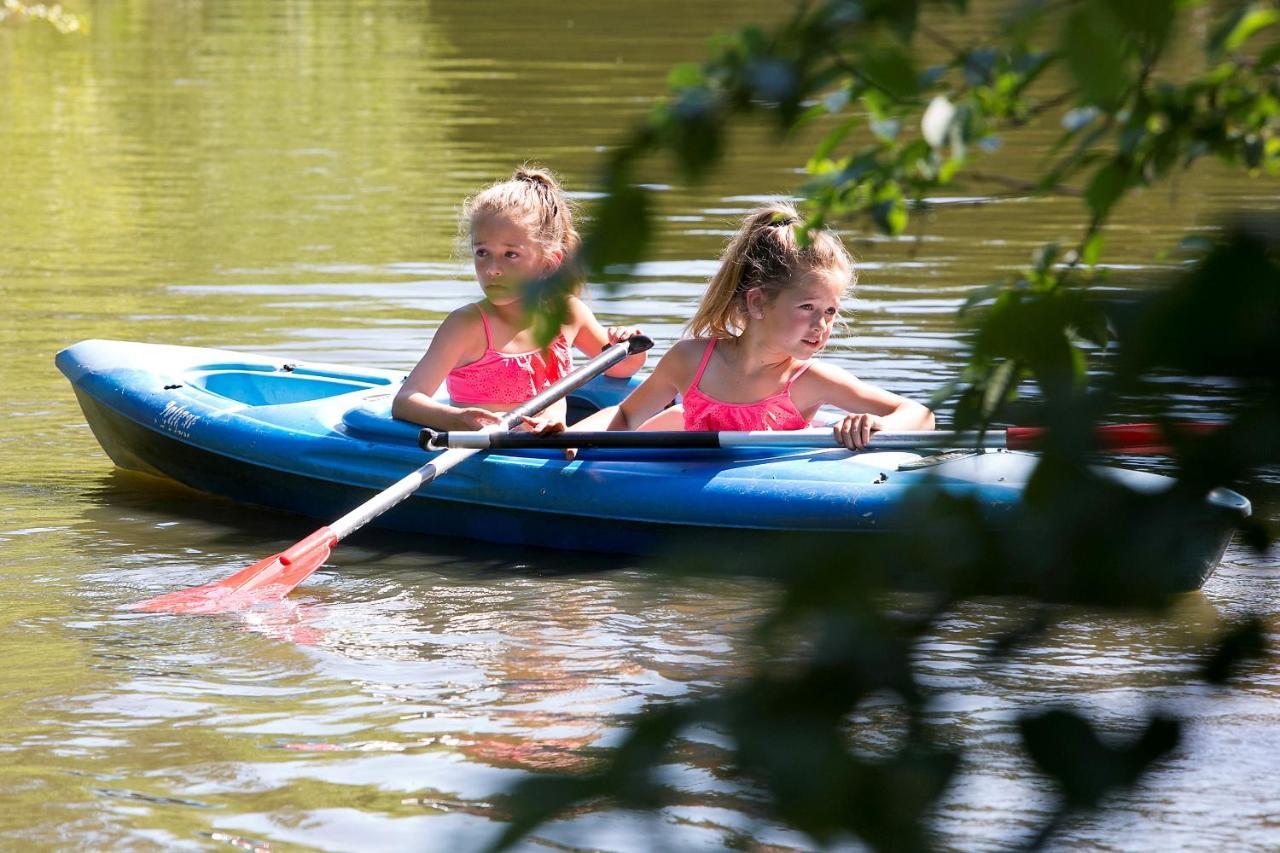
point(176, 419)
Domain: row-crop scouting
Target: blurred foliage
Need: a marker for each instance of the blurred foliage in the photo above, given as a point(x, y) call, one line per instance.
point(15, 12)
point(896, 131)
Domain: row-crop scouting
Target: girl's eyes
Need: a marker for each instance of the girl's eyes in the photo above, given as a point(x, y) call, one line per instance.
point(808, 306)
point(513, 255)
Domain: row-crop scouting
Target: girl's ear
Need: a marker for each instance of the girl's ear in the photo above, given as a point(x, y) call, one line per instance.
point(756, 303)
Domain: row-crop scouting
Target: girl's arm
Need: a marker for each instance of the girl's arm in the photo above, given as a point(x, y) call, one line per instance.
point(871, 409)
point(449, 348)
point(590, 337)
point(672, 374)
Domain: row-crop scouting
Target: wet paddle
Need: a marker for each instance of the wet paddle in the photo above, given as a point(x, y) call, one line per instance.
point(1138, 439)
point(273, 578)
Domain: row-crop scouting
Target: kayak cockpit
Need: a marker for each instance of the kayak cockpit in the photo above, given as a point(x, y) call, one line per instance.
point(266, 387)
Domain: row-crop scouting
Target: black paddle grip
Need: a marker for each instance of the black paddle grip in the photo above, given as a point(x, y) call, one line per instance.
point(426, 435)
point(638, 344)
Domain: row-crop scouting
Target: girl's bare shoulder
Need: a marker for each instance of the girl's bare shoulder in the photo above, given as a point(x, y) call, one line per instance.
point(683, 357)
point(462, 330)
point(467, 315)
point(687, 349)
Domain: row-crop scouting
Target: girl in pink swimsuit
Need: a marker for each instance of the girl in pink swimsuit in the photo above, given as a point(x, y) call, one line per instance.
point(750, 361)
point(485, 353)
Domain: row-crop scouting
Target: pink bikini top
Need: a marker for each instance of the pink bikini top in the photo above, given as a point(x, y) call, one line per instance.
point(776, 412)
point(500, 377)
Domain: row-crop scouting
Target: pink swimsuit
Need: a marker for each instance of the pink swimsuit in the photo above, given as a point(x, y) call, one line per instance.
point(500, 377)
point(776, 412)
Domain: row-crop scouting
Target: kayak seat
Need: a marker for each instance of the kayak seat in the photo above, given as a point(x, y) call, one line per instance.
point(372, 419)
point(597, 394)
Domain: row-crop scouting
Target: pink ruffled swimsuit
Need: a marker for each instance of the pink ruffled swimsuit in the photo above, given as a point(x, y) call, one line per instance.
point(500, 377)
point(777, 412)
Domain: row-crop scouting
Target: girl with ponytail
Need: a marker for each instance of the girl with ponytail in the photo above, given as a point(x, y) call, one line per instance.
point(750, 361)
point(520, 229)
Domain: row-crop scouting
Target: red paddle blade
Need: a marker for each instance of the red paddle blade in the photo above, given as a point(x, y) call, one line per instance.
point(1135, 439)
point(269, 580)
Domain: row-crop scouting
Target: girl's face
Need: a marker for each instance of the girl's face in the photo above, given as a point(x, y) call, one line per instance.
point(799, 319)
point(506, 256)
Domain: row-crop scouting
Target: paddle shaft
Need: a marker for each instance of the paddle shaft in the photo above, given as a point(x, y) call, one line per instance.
point(1121, 437)
point(676, 439)
point(406, 486)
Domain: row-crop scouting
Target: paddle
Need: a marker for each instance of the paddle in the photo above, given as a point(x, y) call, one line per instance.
point(273, 578)
point(1146, 439)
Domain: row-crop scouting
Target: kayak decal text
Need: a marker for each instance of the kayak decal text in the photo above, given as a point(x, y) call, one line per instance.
point(178, 420)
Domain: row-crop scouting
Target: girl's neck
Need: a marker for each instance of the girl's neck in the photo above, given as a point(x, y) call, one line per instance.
point(512, 313)
point(752, 355)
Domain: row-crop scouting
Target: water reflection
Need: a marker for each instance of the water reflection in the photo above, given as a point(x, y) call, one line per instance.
point(285, 178)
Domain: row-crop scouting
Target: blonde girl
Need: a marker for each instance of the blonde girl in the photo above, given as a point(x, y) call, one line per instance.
point(486, 354)
point(750, 361)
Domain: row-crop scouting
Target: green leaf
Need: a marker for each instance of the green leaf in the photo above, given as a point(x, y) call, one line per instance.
point(685, 76)
point(1108, 185)
point(1149, 20)
point(949, 169)
point(1242, 642)
point(1269, 56)
point(546, 305)
point(1043, 258)
point(979, 65)
point(899, 15)
point(1091, 251)
point(832, 139)
point(621, 229)
point(984, 293)
point(967, 413)
point(889, 211)
point(808, 117)
point(1095, 57)
point(696, 131)
point(893, 71)
point(890, 216)
point(1002, 381)
point(1067, 748)
point(1257, 20)
point(1242, 26)
point(773, 80)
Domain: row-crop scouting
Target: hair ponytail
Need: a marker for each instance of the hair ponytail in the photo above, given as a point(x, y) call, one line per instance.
point(765, 253)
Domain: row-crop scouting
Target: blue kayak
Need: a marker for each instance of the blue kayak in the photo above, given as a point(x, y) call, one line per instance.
point(318, 439)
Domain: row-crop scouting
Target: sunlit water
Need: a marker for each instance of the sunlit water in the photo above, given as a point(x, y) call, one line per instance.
point(285, 178)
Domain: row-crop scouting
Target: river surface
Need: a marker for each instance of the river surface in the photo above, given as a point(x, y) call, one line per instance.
point(285, 178)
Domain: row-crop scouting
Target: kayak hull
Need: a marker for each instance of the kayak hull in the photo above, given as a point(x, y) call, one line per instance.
point(137, 448)
point(318, 440)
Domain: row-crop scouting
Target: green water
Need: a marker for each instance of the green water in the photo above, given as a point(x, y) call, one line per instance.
point(285, 178)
